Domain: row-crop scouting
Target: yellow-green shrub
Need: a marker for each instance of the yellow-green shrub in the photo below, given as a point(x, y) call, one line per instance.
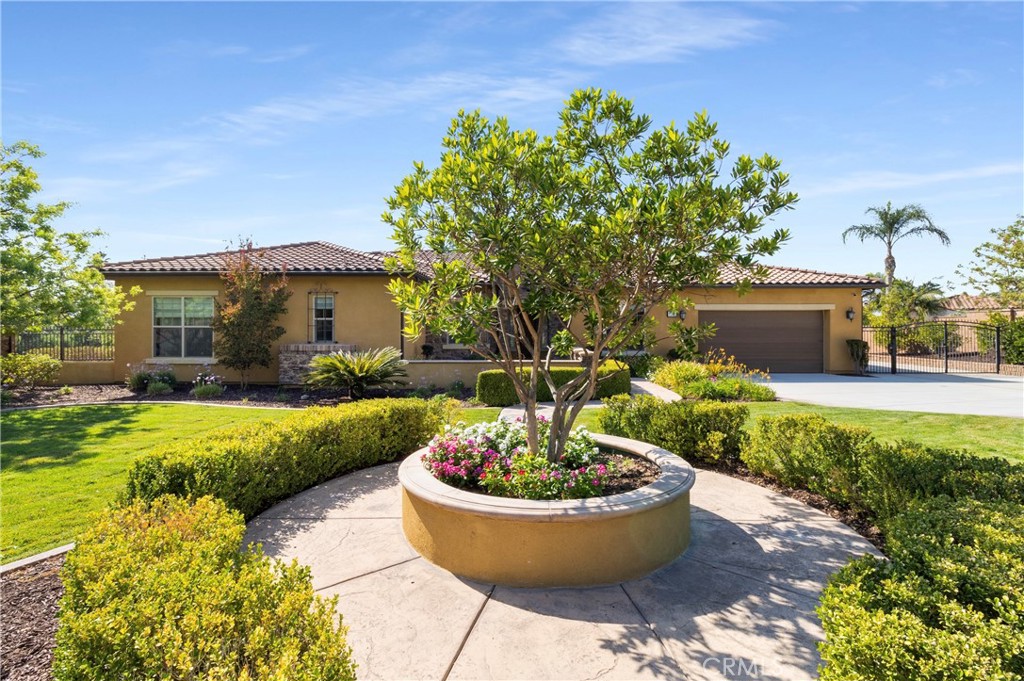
point(253, 467)
point(494, 387)
point(162, 591)
point(697, 431)
point(19, 370)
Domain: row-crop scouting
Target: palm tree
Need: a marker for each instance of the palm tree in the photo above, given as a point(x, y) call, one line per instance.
point(891, 225)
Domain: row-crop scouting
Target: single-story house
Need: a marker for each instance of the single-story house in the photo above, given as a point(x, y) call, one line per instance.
point(967, 308)
point(794, 321)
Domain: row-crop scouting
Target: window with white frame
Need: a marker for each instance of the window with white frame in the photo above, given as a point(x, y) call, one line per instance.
point(323, 317)
point(182, 326)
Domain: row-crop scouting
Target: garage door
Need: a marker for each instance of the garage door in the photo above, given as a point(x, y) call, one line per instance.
point(777, 341)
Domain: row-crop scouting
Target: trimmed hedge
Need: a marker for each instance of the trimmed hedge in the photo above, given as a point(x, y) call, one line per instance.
point(162, 591)
point(949, 604)
point(253, 467)
point(699, 431)
point(845, 464)
point(494, 387)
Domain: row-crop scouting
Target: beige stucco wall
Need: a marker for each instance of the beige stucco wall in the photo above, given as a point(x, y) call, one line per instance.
point(364, 316)
point(87, 373)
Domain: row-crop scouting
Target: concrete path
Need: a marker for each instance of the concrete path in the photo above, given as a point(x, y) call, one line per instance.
point(739, 604)
point(984, 394)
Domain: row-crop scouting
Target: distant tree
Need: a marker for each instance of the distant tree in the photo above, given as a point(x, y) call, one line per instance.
point(998, 265)
point(586, 230)
point(903, 302)
point(47, 277)
point(244, 320)
point(891, 225)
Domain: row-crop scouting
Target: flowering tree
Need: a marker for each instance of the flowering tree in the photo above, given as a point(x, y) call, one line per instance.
point(597, 223)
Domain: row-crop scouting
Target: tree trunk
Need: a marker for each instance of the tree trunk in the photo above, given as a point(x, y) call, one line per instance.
point(890, 268)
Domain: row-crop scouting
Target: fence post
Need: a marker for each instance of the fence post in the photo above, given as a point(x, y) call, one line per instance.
point(62, 343)
point(999, 349)
point(892, 349)
point(945, 347)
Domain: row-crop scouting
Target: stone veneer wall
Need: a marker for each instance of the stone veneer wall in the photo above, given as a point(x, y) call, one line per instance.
point(293, 361)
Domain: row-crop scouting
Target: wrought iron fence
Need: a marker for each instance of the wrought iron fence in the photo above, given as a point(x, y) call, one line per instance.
point(935, 347)
point(76, 345)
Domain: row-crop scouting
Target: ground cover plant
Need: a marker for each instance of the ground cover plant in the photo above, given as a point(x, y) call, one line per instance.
point(165, 590)
point(60, 467)
point(716, 376)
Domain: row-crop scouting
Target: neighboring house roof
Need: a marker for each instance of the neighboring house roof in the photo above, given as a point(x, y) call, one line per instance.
point(321, 257)
point(308, 257)
point(730, 275)
point(964, 302)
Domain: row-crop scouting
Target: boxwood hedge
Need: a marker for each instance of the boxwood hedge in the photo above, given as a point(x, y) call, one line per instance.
point(163, 591)
point(494, 387)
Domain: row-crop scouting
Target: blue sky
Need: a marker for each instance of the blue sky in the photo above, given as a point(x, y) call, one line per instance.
point(178, 127)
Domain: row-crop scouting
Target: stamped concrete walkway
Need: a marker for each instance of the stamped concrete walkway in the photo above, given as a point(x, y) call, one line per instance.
point(739, 604)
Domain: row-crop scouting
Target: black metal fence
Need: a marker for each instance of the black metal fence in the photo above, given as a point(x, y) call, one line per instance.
point(76, 345)
point(935, 347)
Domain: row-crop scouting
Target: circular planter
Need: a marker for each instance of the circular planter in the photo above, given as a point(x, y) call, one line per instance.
point(580, 542)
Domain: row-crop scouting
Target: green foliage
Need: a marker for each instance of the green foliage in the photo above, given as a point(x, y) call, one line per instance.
point(162, 591)
point(357, 371)
point(688, 339)
point(808, 451)
point(728, 389)
point(1011, 337)
point(902, 302)
point(892, 224)
point(28, 370)
point(641, 364)
point(601, 221)
point(999, 265)
point(721, 378)
point(205, 392)
point(674, 375)
point(705, 432)
point(859, 354)
point(154, 388)
point(47, 277)
point(494, 388)
point(255, 466)
point(948, 604)
point(140, 376)
point(245, 317)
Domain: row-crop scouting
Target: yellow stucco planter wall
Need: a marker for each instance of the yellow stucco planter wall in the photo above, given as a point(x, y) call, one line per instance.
point(525, 543)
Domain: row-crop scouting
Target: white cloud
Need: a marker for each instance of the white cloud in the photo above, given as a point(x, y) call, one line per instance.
point(658, 33)
point(888, 180)
point(954, 78)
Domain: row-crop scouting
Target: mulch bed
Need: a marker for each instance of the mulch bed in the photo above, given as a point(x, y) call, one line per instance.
point(29, 595)
point(28, 606)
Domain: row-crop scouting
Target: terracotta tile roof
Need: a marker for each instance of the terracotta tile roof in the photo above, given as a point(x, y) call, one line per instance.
point(791, 276)
point(300, 258)
point(964, 301)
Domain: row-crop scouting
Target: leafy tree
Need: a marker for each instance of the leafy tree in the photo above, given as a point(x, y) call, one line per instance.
point(891, 225)
point(998, 265)
point(583, 231)
point(903, 302)
point(244, 320)
point(48, 277)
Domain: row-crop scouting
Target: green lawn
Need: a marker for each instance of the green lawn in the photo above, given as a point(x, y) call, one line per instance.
point(59, 467)
point(982, 435)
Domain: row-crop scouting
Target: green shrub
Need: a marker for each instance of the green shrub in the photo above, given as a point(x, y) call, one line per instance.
point(806, 450)
point(949, 604)
point(253, 467)
point(163, 592)
point(728, 389)
point(28, 370)
point(704, 432)
point(158, 388)
point(674, 375)
point(894, 475)
point(208, 390)
point(494, 387)
point(641, 364)
point(140, 376)
point(357, 371)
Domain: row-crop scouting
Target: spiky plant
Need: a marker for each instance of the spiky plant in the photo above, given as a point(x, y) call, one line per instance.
point(357, 371)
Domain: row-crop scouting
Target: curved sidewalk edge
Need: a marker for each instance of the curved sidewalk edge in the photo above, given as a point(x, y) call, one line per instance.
point(23, 562)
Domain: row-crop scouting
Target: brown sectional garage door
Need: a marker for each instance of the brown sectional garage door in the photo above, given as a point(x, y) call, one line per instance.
point(777, 341)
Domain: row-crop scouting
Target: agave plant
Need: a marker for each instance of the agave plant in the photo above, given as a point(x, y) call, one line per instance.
point(357, 371)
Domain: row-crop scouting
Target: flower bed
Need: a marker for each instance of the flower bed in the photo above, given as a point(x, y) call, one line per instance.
point(493, 458)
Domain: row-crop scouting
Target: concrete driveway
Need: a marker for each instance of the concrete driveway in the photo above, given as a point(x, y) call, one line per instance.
point(982, 394)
